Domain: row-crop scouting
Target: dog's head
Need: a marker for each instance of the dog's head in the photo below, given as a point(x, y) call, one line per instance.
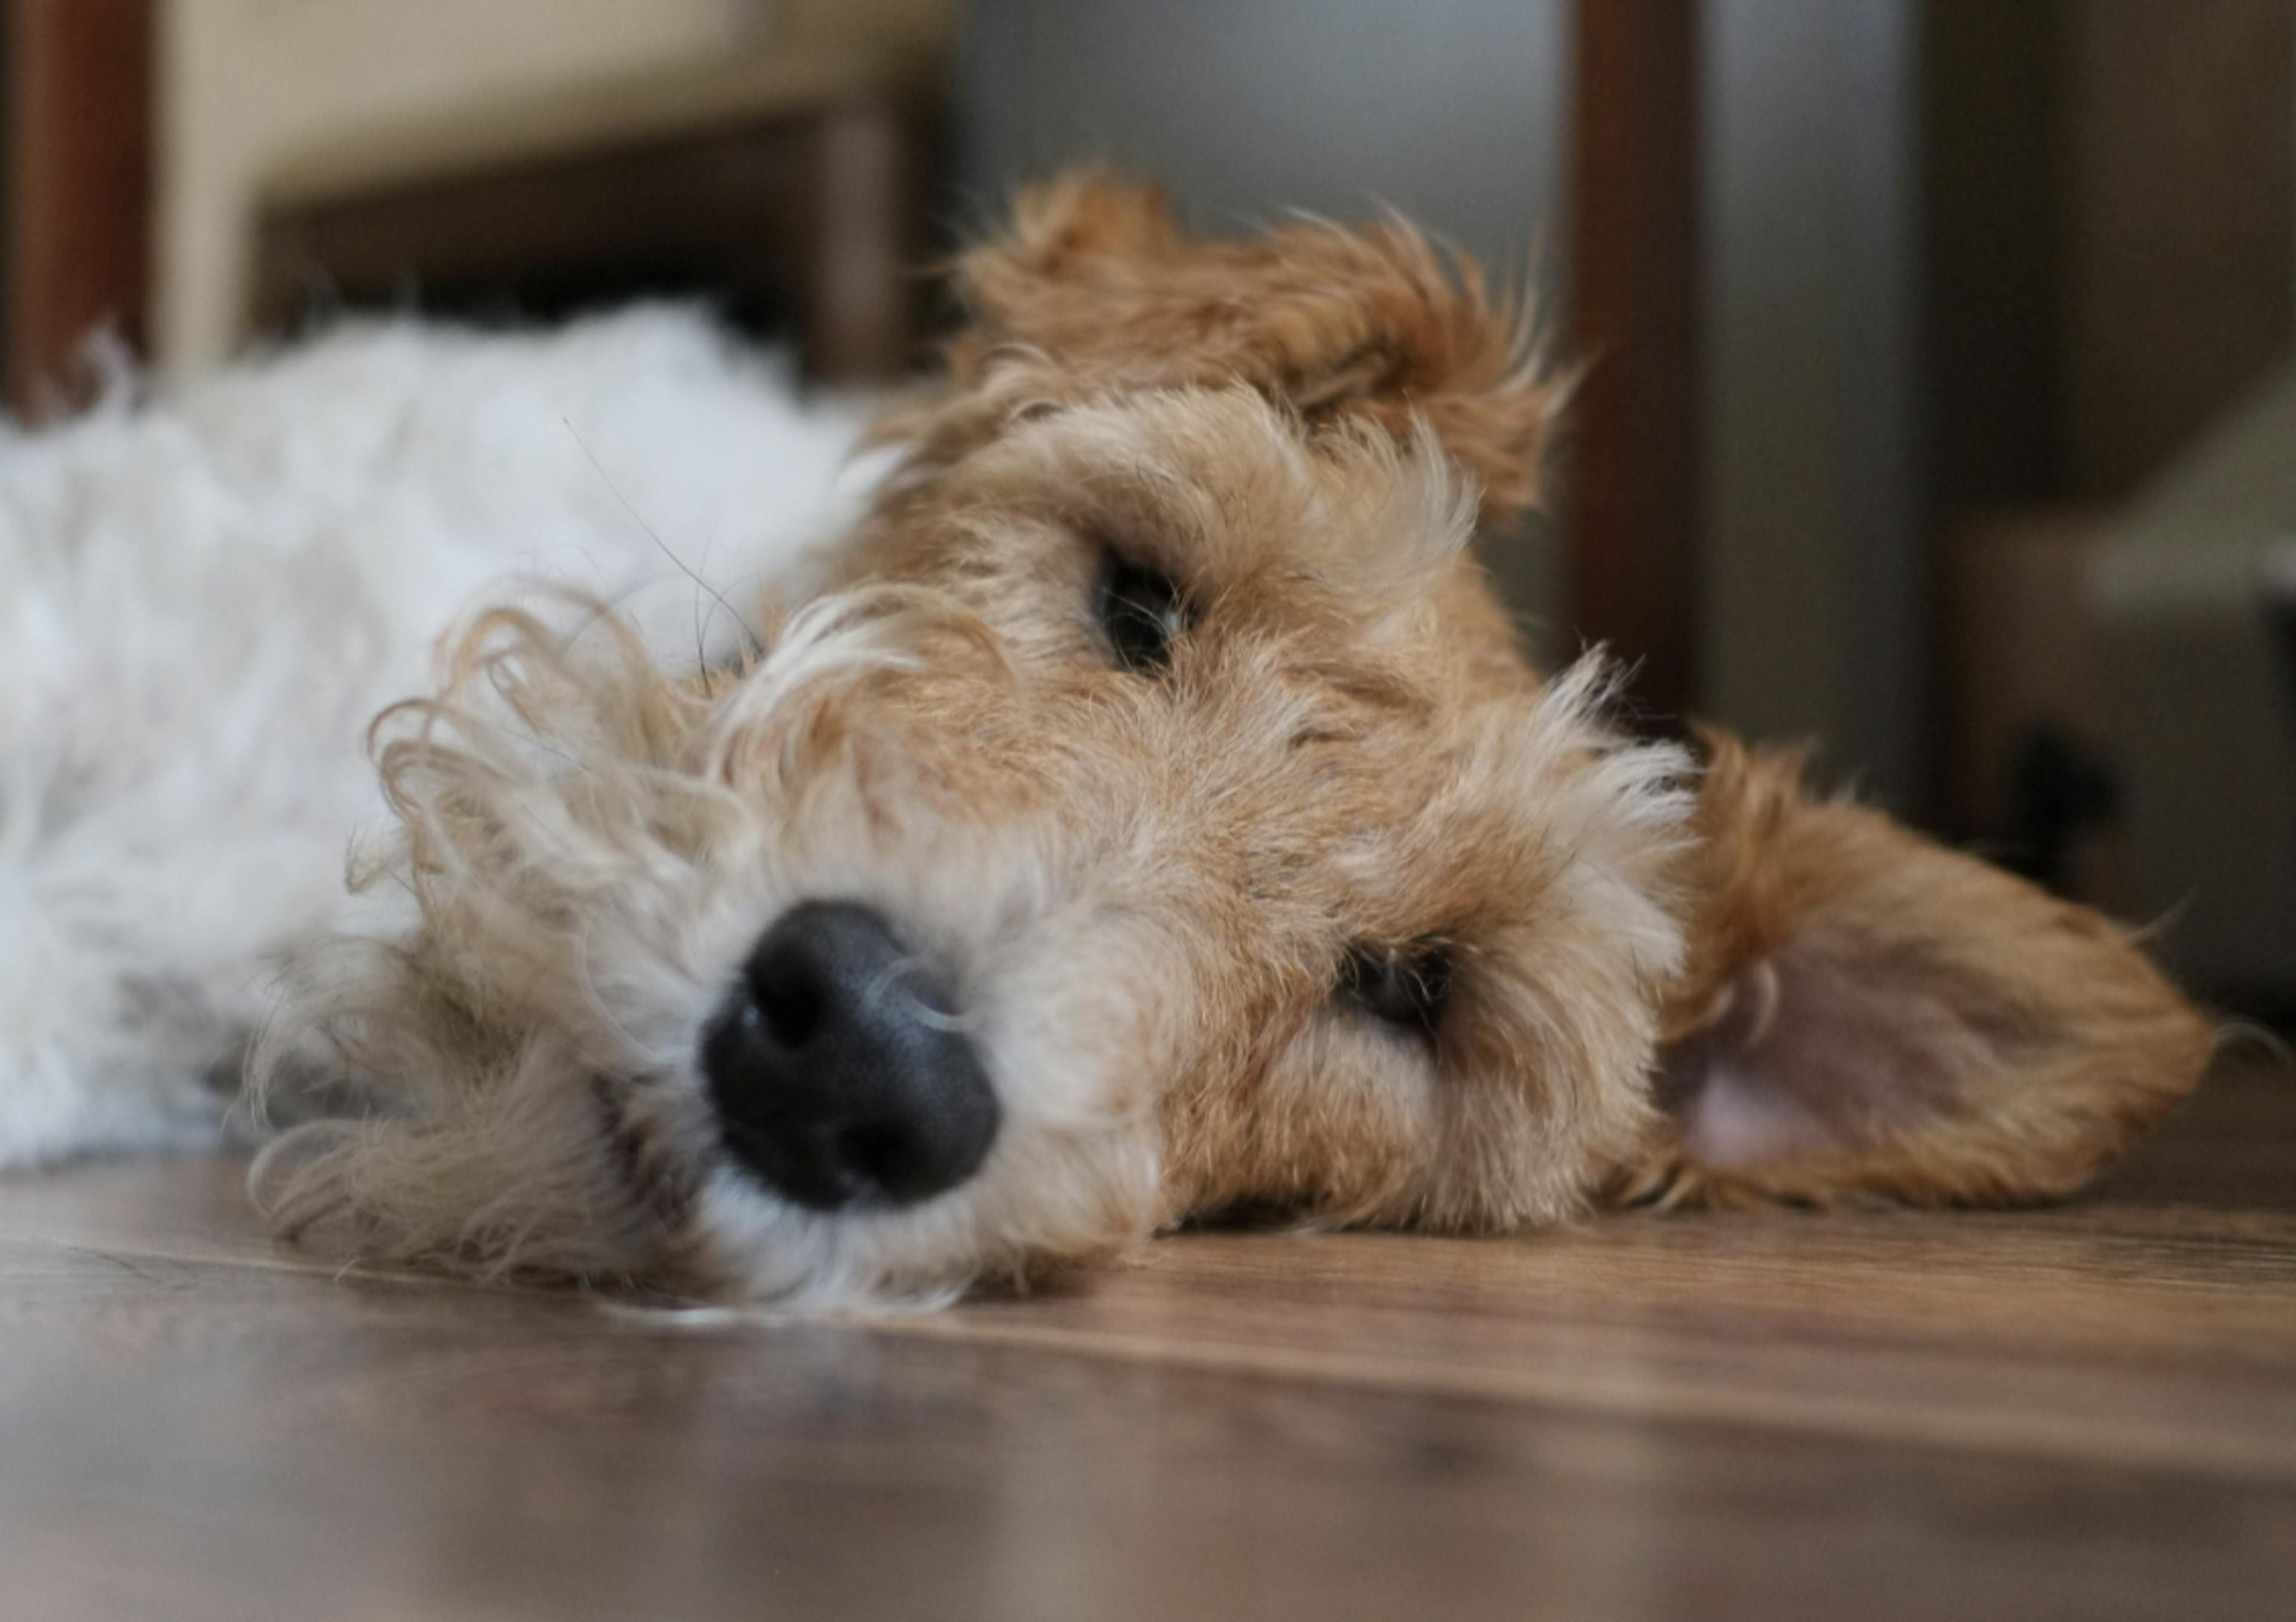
point(1152, 816)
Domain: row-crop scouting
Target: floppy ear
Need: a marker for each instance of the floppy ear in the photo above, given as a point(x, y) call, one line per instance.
point(1372, 325)
point(1868, 1013)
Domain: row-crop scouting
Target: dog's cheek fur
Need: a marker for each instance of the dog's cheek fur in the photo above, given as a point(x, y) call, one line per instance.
point(1541, 851)
point(1869, 1013)
point(1562, 866)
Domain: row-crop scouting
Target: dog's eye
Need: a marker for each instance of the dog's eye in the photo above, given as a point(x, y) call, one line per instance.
point(1405, 989)
point(1141, 613)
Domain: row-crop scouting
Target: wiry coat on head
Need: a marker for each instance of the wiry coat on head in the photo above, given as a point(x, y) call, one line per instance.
point(1162, 710)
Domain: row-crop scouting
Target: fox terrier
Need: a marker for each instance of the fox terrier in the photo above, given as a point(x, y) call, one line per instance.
point(1124, 802)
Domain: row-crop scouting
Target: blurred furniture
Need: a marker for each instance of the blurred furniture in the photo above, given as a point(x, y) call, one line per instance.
point(2194, 596)
point(2111, 251)
point(2028, 775)
point(786, 184)
point(529, 157)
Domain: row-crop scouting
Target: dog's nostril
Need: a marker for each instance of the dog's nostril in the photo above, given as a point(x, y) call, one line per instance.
point(878, 1151)
point(837, 1071)
point(787, 1007)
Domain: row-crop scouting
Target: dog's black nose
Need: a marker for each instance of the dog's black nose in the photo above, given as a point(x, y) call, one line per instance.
point(837, 1068)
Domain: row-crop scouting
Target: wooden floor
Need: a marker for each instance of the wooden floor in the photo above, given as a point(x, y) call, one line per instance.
point(2082, 1412)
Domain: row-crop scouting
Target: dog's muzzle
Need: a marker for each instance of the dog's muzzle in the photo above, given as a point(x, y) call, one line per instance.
point(839, 1072)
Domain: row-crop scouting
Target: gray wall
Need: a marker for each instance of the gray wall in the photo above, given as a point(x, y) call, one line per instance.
point(1816, 583)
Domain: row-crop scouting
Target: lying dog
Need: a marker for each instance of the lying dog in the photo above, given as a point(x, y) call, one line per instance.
point(1143, 809)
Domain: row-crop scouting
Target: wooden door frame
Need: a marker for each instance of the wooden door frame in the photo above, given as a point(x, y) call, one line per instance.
point(1637, 487)
point(75, 243)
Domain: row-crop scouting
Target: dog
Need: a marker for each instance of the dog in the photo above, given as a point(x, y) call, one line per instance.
point(1126, 805)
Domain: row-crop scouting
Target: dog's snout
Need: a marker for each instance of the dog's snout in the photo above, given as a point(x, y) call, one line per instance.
point(838, 1070)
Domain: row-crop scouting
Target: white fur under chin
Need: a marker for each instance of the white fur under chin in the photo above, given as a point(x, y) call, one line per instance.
point(205, 597)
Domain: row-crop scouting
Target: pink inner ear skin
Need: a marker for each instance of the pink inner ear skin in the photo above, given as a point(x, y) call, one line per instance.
point(1830, 1045)
point(1731, 1120)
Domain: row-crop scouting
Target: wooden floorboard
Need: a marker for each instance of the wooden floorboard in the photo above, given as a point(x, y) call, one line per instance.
point(2084, 1412)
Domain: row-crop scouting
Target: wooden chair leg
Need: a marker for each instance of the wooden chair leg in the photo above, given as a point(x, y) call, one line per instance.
point(1635, 515)
point(76, 235)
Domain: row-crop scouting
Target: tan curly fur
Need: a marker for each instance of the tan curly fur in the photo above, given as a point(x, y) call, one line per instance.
point(1147, 889)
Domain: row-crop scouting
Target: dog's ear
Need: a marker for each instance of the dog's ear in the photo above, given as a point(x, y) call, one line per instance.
point(1374, 324)
point(1868, 1013)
